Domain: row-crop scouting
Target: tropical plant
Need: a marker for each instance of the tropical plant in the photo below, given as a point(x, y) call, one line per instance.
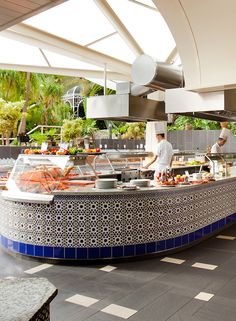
point(22, 126)
point(10, 113)
point(38, 137)
point(51, 92)
point(34, 116)
point(58, 112)
point(10, 85)
point(133, 130)
point(196, 123)
point(72, 129)
point(89, 128)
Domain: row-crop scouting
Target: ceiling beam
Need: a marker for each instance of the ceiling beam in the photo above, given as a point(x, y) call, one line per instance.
point(40, 8)
point(44, 57)
point(119, 26)
point(144, 5)
point(100, 39)
point(172, 56)
point(47, 41)
point(84, 73)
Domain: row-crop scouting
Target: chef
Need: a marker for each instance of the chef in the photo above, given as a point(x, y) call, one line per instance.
point(164, 154)
point(217, 147)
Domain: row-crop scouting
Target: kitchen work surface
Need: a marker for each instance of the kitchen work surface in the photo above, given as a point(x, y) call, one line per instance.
point(180, 287)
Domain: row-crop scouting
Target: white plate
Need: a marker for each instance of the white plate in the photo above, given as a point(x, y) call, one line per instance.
point(130, 188)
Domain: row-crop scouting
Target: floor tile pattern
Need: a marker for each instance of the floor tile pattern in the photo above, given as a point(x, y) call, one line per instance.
point(144, 290)
point(204, 296)
point(204, 266)
point(172, 260)
point(82, 300)
point(119, 311)
point(226, 237)
point(38, 268)
point(108, 268)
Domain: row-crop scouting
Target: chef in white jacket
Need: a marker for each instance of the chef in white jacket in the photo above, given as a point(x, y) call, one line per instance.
point(217, 147)
point(164, 154)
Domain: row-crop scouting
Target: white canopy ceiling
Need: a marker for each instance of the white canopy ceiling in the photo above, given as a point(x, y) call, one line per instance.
point(81, 37)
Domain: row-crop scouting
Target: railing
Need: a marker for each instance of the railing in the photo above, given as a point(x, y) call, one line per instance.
point(41, 128)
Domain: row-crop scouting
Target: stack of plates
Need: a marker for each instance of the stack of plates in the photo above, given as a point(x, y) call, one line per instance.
point(106, 183)
point(141, 182)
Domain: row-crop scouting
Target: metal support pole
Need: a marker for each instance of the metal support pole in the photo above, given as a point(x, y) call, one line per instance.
point(105, 80)
point(104, 92)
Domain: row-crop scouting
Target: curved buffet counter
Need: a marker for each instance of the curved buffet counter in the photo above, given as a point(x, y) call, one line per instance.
point(96, 224)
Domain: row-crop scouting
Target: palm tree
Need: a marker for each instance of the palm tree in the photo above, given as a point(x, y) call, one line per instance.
point(22, 126)
point(51, 92)
point(10, 85)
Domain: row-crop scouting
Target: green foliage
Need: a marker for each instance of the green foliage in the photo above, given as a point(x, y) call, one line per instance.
point(78, 128)
point(14, 142)
point(232, 127)
point(58, 112)
point(130, 130)
point(44, 105)
point(72, 129)
point(13, 85)
point(196, 123)
point(34, 116)
point(10, 113)
point(51, 132)
point(89, 127)
point(38, 137)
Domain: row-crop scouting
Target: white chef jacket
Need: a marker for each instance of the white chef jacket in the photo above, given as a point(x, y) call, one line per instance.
point(216, 149)
point(164, 154)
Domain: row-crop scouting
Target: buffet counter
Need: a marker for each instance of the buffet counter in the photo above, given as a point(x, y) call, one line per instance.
point(91, 224)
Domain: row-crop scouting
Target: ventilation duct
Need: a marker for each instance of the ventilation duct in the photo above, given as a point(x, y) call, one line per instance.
point(156, 75)
point(218, 106)
point(125, 107)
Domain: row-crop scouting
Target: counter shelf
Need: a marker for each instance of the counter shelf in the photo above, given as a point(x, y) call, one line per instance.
point(91, 225)
point(45, 174)
point(88, 224)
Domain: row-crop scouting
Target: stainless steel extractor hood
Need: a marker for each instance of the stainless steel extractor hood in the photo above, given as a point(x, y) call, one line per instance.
point(146, 71)
point(218, 106)
point(125, 108)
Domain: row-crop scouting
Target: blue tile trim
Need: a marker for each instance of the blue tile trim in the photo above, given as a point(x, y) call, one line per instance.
point(161, 246)
point(48, 251)
point(30, 249)
point(151, 247)
point(94, 253)
point(129, 250)
point(140, 249)
point(58, 252)
point(170, 244)
point(105, 252)
point(178, 241)
point(70, 253)
point(82, 254)
point(22, 248)
point(115, 251)
point(38, 251)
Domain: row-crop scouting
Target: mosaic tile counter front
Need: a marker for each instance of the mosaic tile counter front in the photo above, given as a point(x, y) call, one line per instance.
point(104, 226)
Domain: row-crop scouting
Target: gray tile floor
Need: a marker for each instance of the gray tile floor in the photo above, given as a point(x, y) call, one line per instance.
point(148, 290)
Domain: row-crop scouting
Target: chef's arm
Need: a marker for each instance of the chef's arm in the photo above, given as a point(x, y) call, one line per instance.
point(172, 158)
point(151, 162)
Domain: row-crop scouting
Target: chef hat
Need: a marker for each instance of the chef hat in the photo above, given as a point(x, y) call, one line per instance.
point(160, 127)
point(224, 133)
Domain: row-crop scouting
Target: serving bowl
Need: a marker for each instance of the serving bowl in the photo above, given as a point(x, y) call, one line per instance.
point(141, 182)
point(106, 183)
